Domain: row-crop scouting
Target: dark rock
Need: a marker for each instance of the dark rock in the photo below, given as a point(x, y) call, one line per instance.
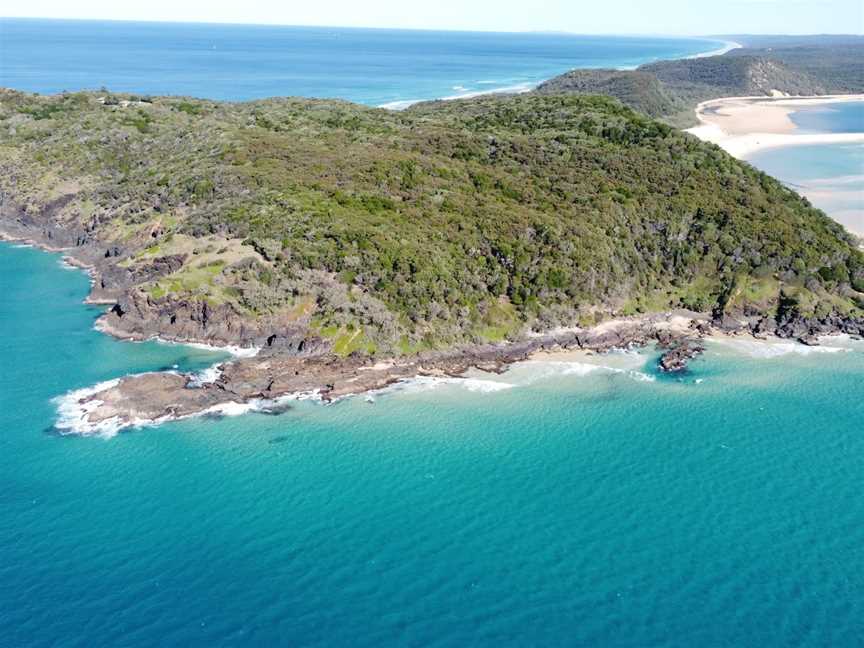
point(679, 354)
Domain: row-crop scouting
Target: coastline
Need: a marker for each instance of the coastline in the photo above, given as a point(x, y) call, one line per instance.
point(266, 378)
point(728, 46)
point(523, 88)
point(310, 369)
point(743, 125)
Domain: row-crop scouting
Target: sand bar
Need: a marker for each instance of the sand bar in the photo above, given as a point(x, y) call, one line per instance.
point(743, 125)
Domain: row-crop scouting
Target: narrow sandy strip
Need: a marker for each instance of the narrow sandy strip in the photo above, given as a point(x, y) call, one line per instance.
point(743, 125)
point(728, 46)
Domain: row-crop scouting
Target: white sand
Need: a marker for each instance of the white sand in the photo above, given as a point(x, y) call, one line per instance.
point(743, 125)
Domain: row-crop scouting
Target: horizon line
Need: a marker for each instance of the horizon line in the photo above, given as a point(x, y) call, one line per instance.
point(560, 32)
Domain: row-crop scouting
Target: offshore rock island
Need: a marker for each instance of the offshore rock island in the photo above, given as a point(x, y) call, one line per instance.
point(357, 247)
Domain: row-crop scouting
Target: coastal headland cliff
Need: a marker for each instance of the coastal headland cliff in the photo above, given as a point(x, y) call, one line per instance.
point(358, 246)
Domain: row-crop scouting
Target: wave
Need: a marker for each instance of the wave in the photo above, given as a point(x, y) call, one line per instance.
point(401, 104)
point(206, 376)
point(424, 383)
point(519, 88)
point(768, 349)
point(263, 405)
point(234, 350)
point(526, 86)
point(72, 413)
point(550, 368)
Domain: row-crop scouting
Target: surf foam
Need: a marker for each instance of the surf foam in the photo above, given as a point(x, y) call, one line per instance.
point(768, 349)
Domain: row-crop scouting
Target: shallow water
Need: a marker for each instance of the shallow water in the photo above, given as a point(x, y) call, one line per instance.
point(830, 175)
point(560, 503)
point(837, 117)
point(238, 62)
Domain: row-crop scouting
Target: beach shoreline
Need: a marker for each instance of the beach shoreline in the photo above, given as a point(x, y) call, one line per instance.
point(522, 88)
point(744, 125)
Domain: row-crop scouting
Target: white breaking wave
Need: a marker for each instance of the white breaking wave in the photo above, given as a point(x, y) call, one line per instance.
point(236, 351)
point(400, 105)
point(231, 409)
point(206, 376)
point(520, 88)
point(426, 383)
point(767, 349)
point(524, 87)
point(549, 368)
point(72, 414)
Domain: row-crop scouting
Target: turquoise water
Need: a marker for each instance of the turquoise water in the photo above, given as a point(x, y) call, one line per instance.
point(581, 503)
point(830, 175)
point(371, 66)
point(840, 117)
point(558, 504)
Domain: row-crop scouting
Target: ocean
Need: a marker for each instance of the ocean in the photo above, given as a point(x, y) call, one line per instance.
point(558, 504)
point(240, 62)
point(591, 502)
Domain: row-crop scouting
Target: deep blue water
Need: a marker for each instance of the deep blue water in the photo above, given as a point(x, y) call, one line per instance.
point(558, 504)
point(236, 62)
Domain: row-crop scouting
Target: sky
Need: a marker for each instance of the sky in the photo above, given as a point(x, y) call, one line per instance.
point(695, 17)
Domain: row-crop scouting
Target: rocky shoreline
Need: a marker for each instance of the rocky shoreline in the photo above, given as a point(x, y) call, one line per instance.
point(272, 375)
point(290, 362)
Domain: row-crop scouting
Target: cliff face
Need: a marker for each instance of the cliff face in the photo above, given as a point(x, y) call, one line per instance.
point(308, 225)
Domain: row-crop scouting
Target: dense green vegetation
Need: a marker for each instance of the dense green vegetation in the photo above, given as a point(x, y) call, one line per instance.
point(671, 89)
point(637, 89)
point(450, 221)
point(835, 63)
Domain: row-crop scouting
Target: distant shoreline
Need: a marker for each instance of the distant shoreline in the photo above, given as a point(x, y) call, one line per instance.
point(727, 47)
point(744, 125)
point(522, 88)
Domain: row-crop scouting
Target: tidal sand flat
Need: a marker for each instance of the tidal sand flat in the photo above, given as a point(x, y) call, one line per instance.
point(830, 175)
point(745, 125)
point(814, 145)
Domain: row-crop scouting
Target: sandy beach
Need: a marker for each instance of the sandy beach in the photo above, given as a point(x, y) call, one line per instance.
point(743, 125)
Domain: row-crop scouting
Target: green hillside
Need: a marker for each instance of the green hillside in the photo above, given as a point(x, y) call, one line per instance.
point(671, 89)
point(452, 221)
